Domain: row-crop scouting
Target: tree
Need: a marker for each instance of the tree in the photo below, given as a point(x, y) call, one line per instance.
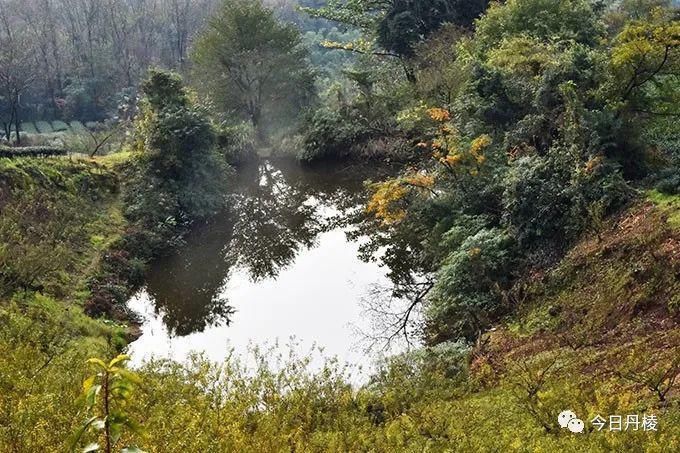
point(107, 395)
point(16, 69)
point(253, 64)
point(408, 22)
point(179, 156)
point(645, 65)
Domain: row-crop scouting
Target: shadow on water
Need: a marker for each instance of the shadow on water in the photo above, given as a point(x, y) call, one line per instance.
point(277, 210)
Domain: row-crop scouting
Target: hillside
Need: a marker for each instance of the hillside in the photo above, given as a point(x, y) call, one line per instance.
point(599, 334)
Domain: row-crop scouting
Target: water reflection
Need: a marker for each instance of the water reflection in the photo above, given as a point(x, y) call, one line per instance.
point(277, 211)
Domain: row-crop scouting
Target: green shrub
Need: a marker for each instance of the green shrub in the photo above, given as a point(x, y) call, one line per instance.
point(28, 128)
point(545, 203)
point(669, 181)
point(468, 295)
point(60, 126)
point(78, 127)
point(330, 135)
point(236, 143)
point(32, 151)
point(44, 127)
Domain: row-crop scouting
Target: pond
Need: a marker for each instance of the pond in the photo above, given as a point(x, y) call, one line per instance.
point(278, 265)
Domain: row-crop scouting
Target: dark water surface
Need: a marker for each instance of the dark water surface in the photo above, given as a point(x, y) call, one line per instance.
point(278, 265)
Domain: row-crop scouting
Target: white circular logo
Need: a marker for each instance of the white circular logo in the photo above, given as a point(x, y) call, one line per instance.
point(575, 425)
point(568, 419)
point(564, 418)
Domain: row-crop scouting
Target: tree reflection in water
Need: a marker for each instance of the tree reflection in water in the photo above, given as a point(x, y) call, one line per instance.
point(278, 209)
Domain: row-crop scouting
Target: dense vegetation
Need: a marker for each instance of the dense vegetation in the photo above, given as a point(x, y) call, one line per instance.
point(532, 129)
point(534, 227)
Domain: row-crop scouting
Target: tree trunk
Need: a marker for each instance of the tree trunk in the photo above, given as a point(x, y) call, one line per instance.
point(16, 120)
point(18, 130)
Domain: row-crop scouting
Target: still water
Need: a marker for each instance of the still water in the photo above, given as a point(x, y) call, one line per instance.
point(278, 265)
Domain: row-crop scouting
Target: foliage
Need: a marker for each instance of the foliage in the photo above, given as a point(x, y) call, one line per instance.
point(254, 66)
point(538, 291)
point(106, 395)
point(387, 202)
point(468, 296)
point(236, 143)
point(408, 22)
point(546, 20)
point(50, 209)
point(329, 134)
point(78, 56)
point(43, 348)
point(175, 178)
point(645, 61)
point(441, 72)
point(536, 136)
point(31, 151)
point(504, 391)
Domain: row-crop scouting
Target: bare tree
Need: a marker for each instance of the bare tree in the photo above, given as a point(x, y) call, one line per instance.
point(394, 319)
point(80, 56)
point(16, 67)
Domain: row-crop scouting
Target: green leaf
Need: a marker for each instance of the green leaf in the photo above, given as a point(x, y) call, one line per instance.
point(130, 376)
point(78, 434)
point(119, 359)
point(94, 446)
point(95, 361)
point(91, 395)
point(88, 383)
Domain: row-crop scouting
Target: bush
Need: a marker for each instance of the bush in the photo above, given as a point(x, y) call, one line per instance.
point(49, 209)
point(669, 181)
point(31, 151)
point(78, 127)
point(60, 126)
point(536, 200)
point(330, 135)
point(44, 127)
point(546, 204)
point(28, 128)
point(236, 143)
point(468, 295)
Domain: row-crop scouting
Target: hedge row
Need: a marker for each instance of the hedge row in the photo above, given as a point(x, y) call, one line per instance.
point(47, 127)
point(32, 151)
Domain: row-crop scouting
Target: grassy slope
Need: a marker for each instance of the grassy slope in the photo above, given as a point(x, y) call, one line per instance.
point(57, 216)
point(596, 335)
point(60, 211)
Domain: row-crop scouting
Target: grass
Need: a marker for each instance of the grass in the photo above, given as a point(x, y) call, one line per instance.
point(60, 207)
point(669, 204)
point(113, 160)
